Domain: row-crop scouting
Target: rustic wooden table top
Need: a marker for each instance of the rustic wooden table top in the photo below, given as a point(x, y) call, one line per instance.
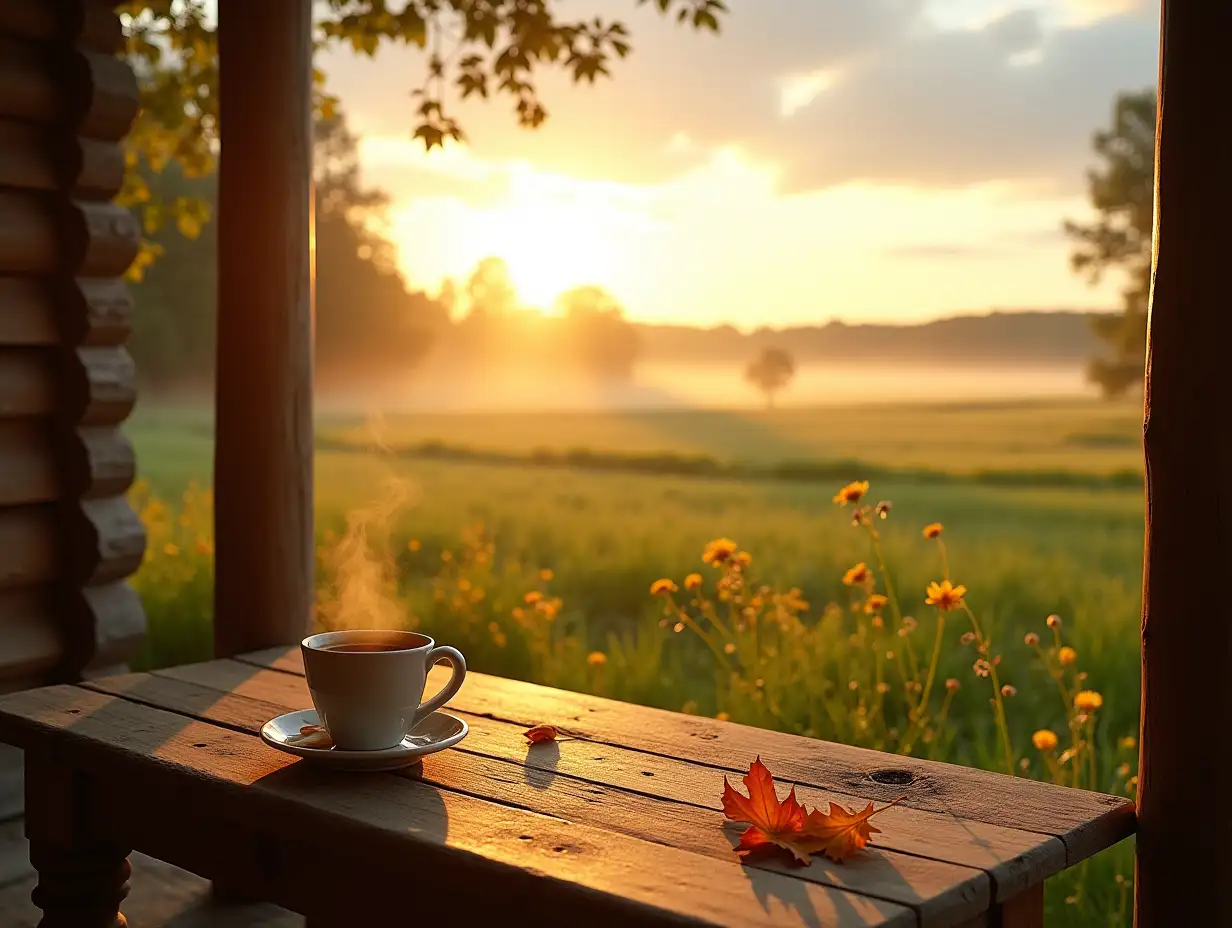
point(619, 821)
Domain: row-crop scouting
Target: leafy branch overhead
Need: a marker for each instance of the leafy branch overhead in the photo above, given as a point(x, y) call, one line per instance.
point(483, 48)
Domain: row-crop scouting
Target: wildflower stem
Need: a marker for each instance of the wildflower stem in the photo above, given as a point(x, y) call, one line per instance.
point(997, 700)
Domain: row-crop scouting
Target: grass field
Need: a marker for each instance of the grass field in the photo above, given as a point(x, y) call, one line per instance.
point(590, 544)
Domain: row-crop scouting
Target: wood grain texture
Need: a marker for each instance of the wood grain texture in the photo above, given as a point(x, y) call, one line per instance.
point(27, 313)
point(1086, 822)
point(28, 540)
point(35, 158)
point(1023, 911)
point(1187, 617)
point(27, 90)
point(31, 635)
point(38, 467)
point(104, 541)
point(263, 449)
point(27, 382)
point(245, 698)
point(28, 233)
point(100, 387)
point(29, 469)
point(103, 626)
point(85, 23)
point(448, 840)
point(941, 892)
point(101, 239)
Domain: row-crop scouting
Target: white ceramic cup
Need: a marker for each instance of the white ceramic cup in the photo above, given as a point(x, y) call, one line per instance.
point(369, 700)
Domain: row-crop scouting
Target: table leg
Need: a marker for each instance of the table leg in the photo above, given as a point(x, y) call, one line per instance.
point(82, 872)
point(1026, 910)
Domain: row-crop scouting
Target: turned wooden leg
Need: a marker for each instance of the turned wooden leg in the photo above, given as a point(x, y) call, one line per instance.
point(82, 873)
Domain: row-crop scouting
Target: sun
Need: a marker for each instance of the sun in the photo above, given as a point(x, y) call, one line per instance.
point(549, 248)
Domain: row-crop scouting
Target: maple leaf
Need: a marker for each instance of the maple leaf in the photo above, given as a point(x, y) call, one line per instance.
point(771, 823)
point(840, 832)
point(540, 733)
point(787, 824)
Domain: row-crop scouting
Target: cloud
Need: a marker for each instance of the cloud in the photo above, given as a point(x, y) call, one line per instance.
point(827, 92)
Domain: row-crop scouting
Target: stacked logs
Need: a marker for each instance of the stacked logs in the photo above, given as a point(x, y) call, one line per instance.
point(68, 538)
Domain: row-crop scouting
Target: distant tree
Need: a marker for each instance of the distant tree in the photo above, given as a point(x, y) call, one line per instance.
point(770, 372)
point(473, 47)
point(602, 342)
point(1119, 239)
point(368, 323)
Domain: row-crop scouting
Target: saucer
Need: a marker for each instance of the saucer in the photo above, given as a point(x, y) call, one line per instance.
point(438, 731)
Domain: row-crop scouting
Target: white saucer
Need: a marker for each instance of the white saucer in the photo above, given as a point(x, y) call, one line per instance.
point(438, 731)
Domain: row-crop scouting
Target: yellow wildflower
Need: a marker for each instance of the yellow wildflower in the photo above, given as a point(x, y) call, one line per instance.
point(722, 717)
point(856, 575)
point(1031, 639)
point(851, 493)
point(1088, 700)
point(1053, 621)
point(952, 685)
point(1007, 690)
point(981, 667)
point(1044, 740)
point(171, 550)
point(944, 595)
point(413, 545)
point(532, 597)
point(718, 551)
point(729, 648)
point(546, 575)
point(874, 604)
point(1129, 742)
point(663, 587)
point(934, 530)
point(1067, 656)
point(203, 546)
point(693, 582)
point(596, 658)
point(743, 559)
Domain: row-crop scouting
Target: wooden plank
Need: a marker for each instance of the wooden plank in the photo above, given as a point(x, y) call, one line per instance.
point(29, 469)
point(27, 313)
point(102, 240)
point(35, 159)
point(27, 91)
point(35, 467)
point(28, 241)
point(104, 388)
point(107, 97)
point(436, 834)
point(27, 382)
point(263, 448)
point(1186, 621)
point(30, 631)
point(105, 627)
point(1086, 822)
point(241, 697)
point(28, 540)
point(941, 892)
point(87, 24)
point(104, 542)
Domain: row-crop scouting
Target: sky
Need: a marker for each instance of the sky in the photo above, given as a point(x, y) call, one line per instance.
point(862, 160)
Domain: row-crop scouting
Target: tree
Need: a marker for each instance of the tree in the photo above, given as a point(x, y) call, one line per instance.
point(1119, 239)
point(474, 47)
point(368, 322)
point(598, 337)
point(770, 372)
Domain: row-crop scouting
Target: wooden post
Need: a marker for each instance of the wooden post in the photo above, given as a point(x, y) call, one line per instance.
point(263, 456)
point(1183, 871)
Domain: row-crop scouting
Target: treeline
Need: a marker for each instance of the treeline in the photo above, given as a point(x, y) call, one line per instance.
point(370, 325)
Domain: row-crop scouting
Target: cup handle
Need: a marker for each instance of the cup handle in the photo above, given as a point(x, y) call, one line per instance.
point(455, 659)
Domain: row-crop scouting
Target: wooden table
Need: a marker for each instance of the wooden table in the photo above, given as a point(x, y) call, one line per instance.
point(618, 825)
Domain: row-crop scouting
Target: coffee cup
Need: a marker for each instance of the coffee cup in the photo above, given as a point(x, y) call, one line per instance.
point(368, 686)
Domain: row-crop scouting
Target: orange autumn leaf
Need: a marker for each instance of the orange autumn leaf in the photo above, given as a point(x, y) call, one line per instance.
point(772, 823)
point(787, 824)
point(840, 832)
point(540, 733)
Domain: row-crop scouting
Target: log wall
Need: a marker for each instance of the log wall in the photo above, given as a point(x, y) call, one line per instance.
point(68, 538)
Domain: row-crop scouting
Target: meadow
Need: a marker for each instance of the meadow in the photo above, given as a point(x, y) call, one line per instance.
point(541, 570)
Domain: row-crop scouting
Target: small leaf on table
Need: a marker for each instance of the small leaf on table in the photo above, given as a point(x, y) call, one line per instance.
point(541, 733)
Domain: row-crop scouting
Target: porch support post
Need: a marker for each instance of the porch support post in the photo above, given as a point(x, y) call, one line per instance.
point(1184, 868)
point(263, 455)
